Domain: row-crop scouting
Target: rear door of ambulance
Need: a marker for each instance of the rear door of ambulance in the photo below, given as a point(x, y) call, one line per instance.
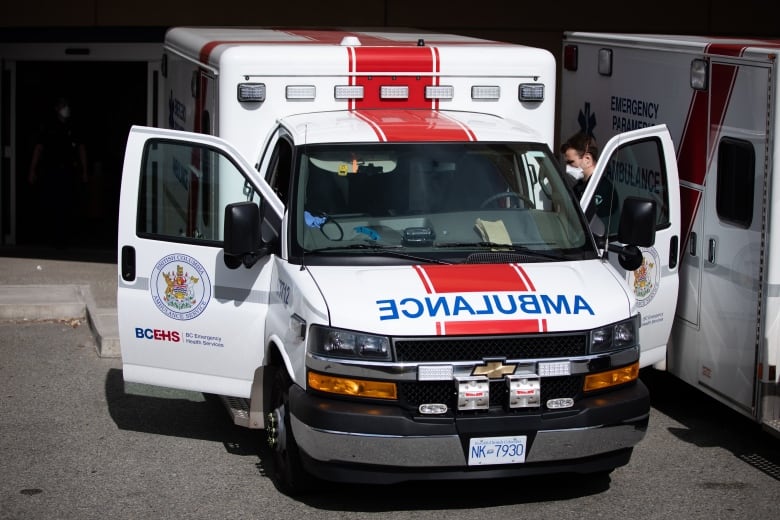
point(187, 318)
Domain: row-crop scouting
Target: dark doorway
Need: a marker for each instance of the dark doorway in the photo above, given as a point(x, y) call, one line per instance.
point(106, 98)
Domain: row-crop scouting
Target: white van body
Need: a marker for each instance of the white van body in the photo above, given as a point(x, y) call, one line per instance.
point(724, 327)
point(364, 243)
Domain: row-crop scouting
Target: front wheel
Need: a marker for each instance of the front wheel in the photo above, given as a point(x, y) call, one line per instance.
point(287, 471)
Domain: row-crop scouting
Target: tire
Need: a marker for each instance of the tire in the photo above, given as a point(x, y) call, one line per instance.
point(287, 470)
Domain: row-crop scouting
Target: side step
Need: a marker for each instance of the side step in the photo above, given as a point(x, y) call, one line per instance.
point(238, 408)
point(773, 427)
point(770, 407)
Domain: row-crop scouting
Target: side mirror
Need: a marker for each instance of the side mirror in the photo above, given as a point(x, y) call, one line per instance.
point(637, 222)
point(630, 258)
point(242, 242)
point(636, 228)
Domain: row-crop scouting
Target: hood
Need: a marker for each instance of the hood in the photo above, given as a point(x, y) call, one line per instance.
point(470, 299)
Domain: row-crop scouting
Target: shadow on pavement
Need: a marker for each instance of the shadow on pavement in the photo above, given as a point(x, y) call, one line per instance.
point(709, 423)
point(177, 413)
point(162, 411)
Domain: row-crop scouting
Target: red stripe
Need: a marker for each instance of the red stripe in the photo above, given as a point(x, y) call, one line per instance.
point(415, 125)
point(473, 278)
point(726, 49)
point(702, 131)
point(421, 273)
point(375, 126)
point(525, 277)
point(455, 328)
point(412, 67)
point(436, 78)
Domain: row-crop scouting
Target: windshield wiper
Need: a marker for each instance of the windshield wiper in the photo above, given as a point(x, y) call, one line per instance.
point(377, 249)
point(504, 247)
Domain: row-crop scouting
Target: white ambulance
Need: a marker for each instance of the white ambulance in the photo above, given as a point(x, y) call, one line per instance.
point(363, 241)
point(718, 98)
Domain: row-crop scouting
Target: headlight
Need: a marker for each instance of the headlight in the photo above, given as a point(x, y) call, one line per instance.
point(617, 336)
point(341, 343)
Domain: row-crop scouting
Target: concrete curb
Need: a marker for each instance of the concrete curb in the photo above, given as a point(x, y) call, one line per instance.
point(62, 302)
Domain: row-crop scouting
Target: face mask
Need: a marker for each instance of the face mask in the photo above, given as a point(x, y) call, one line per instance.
point(573, 171)
point(64, 112)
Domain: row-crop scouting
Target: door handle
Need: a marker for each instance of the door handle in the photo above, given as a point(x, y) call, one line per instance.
point(711, 251)
point(674, 244)
point(692, 244)
point(128, 263)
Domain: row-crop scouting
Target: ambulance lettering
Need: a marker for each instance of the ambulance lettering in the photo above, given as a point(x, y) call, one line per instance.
point(486, 304)
point(629, 174)
point(630, 114)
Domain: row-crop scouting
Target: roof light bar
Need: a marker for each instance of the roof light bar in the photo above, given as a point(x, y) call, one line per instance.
point(439, 92)
point(485, 92)
point(394, 92)
point(300, 91)
point(531, 92)
point(348, 92)
point(251, 92)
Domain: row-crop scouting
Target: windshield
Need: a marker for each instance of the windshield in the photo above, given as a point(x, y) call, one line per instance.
point(458, 202)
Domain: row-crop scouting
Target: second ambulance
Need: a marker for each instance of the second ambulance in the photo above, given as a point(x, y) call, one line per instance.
point(363, 242)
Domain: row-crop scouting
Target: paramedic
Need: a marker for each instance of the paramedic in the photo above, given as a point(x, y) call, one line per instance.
point(581, 152)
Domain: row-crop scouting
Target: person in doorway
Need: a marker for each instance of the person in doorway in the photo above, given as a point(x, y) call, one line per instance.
point(58, 166)
point(581, 152)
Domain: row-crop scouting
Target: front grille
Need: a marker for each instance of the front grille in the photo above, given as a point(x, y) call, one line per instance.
point(425, 350)
point(412, 395)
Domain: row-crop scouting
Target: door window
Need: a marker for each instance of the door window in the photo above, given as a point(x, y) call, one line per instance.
point(184, 190)
point(634, 169)
point(736, 179)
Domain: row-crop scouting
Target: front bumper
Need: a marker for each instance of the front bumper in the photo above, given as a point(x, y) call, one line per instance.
point(348, 441)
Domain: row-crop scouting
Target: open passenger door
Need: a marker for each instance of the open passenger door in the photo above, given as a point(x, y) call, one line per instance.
point(642, 163)
point(190, 316)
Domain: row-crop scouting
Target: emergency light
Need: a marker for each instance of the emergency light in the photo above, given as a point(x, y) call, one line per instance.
point(434, 372)
point(439, 92)
point(485, 92)
point(605, 62)
point(251, 92)
point(394, 92)
point(531, 92)
point(699, 74)
point(348, 92)
point(300, 91)
point(570, 57)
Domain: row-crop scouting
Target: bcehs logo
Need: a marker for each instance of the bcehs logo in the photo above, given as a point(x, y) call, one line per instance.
point(180, 287)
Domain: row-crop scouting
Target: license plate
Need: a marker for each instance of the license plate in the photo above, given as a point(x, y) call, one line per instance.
point(497, 450)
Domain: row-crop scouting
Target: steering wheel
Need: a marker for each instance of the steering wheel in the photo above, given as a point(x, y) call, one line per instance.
point(544, 183)
point(527, 202)
point(335, 232)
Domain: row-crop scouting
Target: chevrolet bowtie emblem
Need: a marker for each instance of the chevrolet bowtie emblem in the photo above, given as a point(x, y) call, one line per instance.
point(494, 370)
